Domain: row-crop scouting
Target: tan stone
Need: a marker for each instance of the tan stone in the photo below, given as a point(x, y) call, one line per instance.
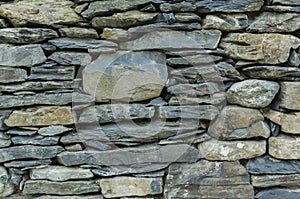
point(284, 147)
point(289, 122)
point(290, 95)
point(291, 180)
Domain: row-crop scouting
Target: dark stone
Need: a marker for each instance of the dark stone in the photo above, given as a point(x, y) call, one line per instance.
point(278, 193)
point(74, 43)
point(271, 72)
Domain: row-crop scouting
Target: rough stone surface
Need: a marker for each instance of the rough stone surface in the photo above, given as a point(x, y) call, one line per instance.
point(291, 180)
point(4, 140)
point(28, 163)
point(284, 147)
point(278, 193)
point(35, 140)
point(76, 32)
point(69, 43)
point(289, 123)
point(53, 130)
point(11, 75)
point(52, 73)
point(226, 22)
point(71, 58)
point(290, 95)
point(271, 72)
point(6, 188)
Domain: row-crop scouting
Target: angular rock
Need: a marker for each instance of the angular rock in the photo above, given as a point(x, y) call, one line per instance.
point(207, 88)
point(74, 148)
point(229, 6)
point(226, 22)
point(70, 197)
point(294, 59)
point(278, 193)
point(106, 7)
point(162, 26)
point(253, 93)
point(37, 85)
point(124, 19)
point(286, 2)
point(271, 72)
point(27, 163)
point(130, 186)
point(22, 13)
point(193, 60)
point(115, 34)
point(28, 55)
point(291, 180)
point(276, 22)
point(53, 130)
point(186, 17)
point(52, 73)
point(228, 72)
point(284, 147)
point(4, 140)
point(262, 48)
point(26, 35)
point(269, 165)
point(290, 95)
point(3, 23)
point(3, 115)
point(60, 188)
point(76, 32)
point(231, 150)
point(289, 123)
point(216, 98)
point(41, 116)
point(70, 138)
point(239, 123)
point(35, 140)
point(11, 75)
point(6, 188)
point(178, 7)
point(71, 58)
point(107, 77)
point(282, 8)
point(29, 151)
point(175, 40)
point(21, 132)
point(74, 43)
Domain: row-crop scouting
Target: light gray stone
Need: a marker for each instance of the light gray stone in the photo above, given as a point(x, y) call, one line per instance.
point(286, 2)
point(291, 180)
point(226, 22)
point(284, 147)
point(52, 73)
point(282, 8)
point(27, 163)
point(3, 115)
point(193, 60)
point(4, 140)
point(216, 98)
point(22, 132)
point(290, 95)
point(35, 140)
point(75, 43)
point(53, 130)
point(37, 85)
point(162, 26)
point(194, 90)
point(278, 193)
point(71, 58)
point(289, 122)
point(271, 72)
point(184, 17)
point(11, 75)
point(6, 188)
point(70, 197)
point(178, 7)
point(207, 6)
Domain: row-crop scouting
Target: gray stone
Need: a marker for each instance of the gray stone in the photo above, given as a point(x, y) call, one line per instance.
point(178, 7)
point(278, 193)
point(231, 150)
point(28, 55)
point(291, 180)
point(29, 151)
point(6, 188)
point(290, 95)
point(71, 58)
point(152, 174)
point(184, 17)
point(284, 147)
point(70, 138)
point(253, 93)
point(137, 31)
point(75, 43)
point(294, 59)
point(10, 75)
point(76, 32)
point(107, 77)
point(115, 34)
point(194, 90)
point(70, 197)
point(108, 6)
point(35, 140)
point(60, 188)
point(3, 23)
point(228, 72)
point(289, 122)
point(282, 8)
point(229, 6)
point(53, 130)
point(216, 98)
point(271, 72)
point(52, 73)
point(26, 35)
point(226, 22)
point(276, 22)
point(3, 115)
point(175, 40)
point(193, 60)
point(37, 85)
point(74, 148)
point(269, 165)
point(130, 186)
point(286, 2)
point(4, 140)
point(27, 163)
point(22, 132)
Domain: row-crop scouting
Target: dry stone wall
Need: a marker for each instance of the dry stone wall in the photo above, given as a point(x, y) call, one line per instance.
point(149, 99)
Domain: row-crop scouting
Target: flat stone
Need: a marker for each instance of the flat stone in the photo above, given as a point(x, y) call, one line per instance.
point(52, 73)
point(261, 48)
point(76, 32)
point(284, 147)
point(75, 43)
point(28, 12)
point(253, 93)
point(6, 188)
point(28, 55)
point(26, 35)
point(238, 123)
point(282, 8)
point(35, 140)
point(162, 26)
point(106, 7)
point(289, 122)
point(193, 60)
point(278, 193)
point(269, 165)
point(276, 22)
point(294, 59)
point(231, 150)
point(184, 17)
point(178, 7)
point(216, 98)
point(11, 75)
point(41, 116)
point(29, 151)
point(226, 22)
point(71, 58)
point(4, 140)
point(74, 147)
point(37, 85)
point(4, 115)
point(286, 2)
point(117, 34)
point(230, 6)
point(228, 72)
point(60, 173)
point(290, 95)
point(27, 163)
point(22, 132)
point(71, 138)
point(130, 186)
point(60, 188)
point(53, 130)
point(202, 89)
point(291, 180)
point(175, 40)
point(70, 197)
point(147, 72)
point(271, 72)
point(124, 19)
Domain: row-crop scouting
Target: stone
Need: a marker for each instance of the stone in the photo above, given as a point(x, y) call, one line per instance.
point(231, 150)
point(193, 60)
point(282, 8)
point(147, 72)
point(290, 95)
point(284, 147)
point(53, 130)
point(74, 148)
point(226, 22)
point(202, 89)
point(238, 123)
point(124, 19)
point(35, 140)
point(278, 193)
point(294, 59)
point(261, 48)
point(11, 75)
point(60, 188)
point(289, 122)
point(76, 32)
point(15, 56)
point(269, 165)
point(117, 34)
point(228, 72)
point(52, 73)
point(40, 116)
point(130, 186)
point(60, 173)
point(162, 26)
point(4, 115)
point(22, 132)
point(291, 180)
point(26, 35)
point(270, 72)
point(106, 7)
point(27, 163)
point(70, 197)
point(4, 140)
point(3, 23)
point(197, 39)
point(29, 151)
point(71, 58)
point(216, 98)
point(178, 7)
point(205, 179)
point(253, 93)
point(207, 6)
point(22, 13)
point(286, 2)
point(6, 188)
point(75, 43)
point(186, 17)
point(37, 85)
point(70, 138)
point(276, 22)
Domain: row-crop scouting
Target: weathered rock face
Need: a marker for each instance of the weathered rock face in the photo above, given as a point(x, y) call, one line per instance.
point(270, 72)
point(6, 188)
point(284, 147)
point(71, 58)
point(290, 95)
point(226, 22)
point(291, 180)
point(288, 122)
point(75, 32)
point(278, 193)
point(10, 75)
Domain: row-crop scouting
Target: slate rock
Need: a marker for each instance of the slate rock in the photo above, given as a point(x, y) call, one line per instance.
point(22, 132)
point(216, 98)
point(290, 180)
point(193, 60)
point(70, 197)
point(290, 95)
point(226, 22)
point(178, 7)
point(117, 34)
point(4, 115)
point(53, 130)
point(5, 140)
point(271, 72)
point(71, 58)
point(70, 138)
point(76, 32)
point(35, 140)
point(286, 2)
point(11, 75)
point(284, 147)
point(287, 121)
point(6, 188)
point(78, 43)
point(162, 26)
point(52, 73)
point(278, 193)
point(282, 8)
point(184, 17)
point(27, 163)
point(294, 59)
point(37, 85)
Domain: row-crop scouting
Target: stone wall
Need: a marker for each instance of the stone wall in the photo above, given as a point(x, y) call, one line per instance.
point(150, 99)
